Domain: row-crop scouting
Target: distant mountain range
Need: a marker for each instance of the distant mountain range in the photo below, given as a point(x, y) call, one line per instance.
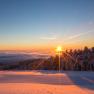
point(13, 57)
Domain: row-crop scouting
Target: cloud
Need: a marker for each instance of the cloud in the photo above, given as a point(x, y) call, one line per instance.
point(78, 35)
point(48, 38)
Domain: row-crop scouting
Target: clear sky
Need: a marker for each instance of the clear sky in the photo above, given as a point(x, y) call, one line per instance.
point(44, 24)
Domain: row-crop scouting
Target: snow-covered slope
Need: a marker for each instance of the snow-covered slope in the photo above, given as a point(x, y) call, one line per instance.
point(46, 82)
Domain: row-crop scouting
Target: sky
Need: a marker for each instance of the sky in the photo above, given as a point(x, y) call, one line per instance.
point(44, 24)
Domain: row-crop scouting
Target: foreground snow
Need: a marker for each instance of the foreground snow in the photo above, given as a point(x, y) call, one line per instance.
point(25, 88)
point(46, 82)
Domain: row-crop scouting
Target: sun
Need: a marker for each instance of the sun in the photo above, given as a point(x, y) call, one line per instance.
point(59, 49)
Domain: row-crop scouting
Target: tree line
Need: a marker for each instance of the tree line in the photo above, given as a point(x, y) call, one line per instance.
point(75, 60)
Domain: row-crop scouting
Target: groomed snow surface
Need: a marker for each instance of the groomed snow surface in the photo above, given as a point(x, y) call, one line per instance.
point(46, 82)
